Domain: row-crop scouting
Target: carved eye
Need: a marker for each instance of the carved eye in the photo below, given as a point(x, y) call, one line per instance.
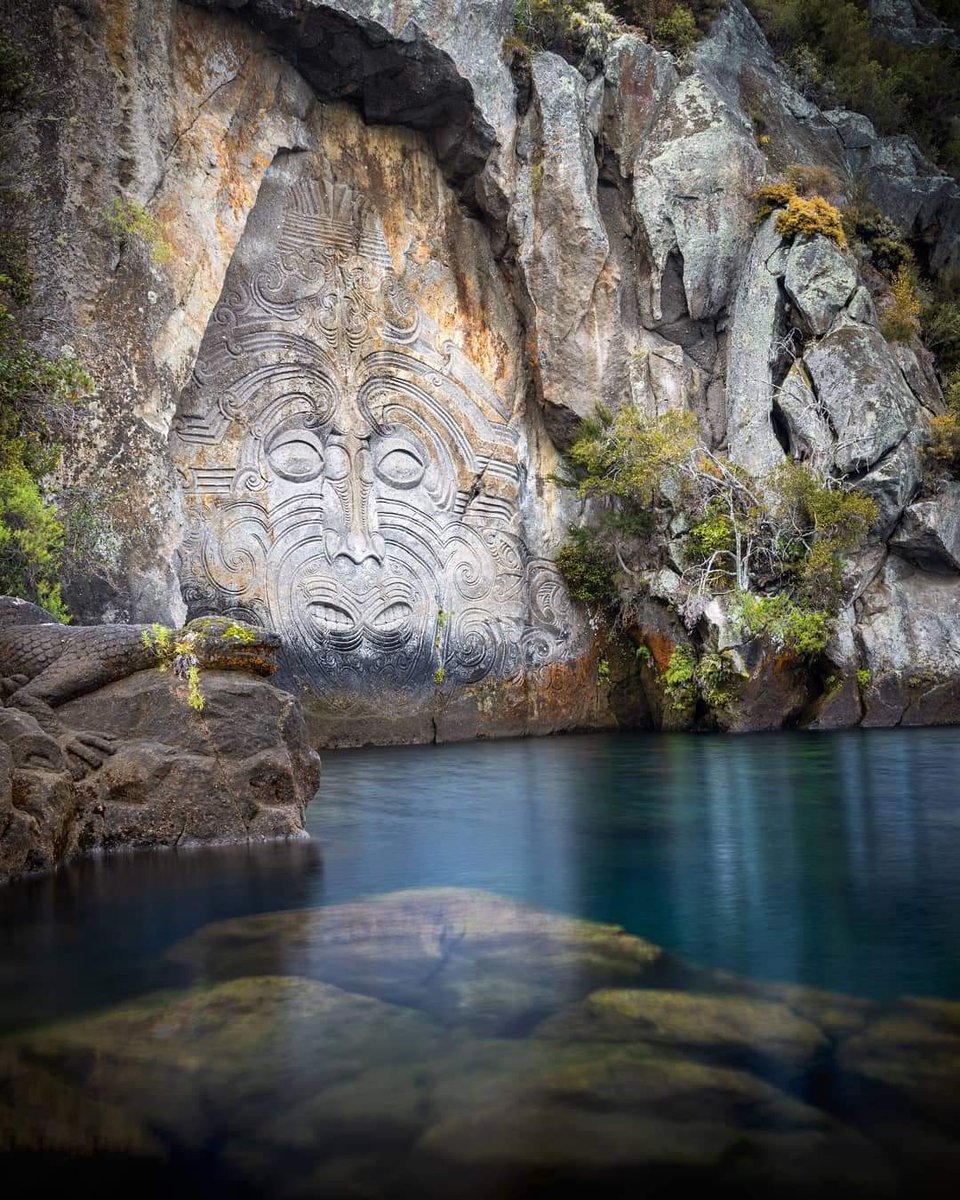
point(400, 468)
point(296, 455)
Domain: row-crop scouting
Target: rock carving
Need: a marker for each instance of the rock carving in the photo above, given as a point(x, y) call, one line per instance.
point(45, 665)
point(351, 479)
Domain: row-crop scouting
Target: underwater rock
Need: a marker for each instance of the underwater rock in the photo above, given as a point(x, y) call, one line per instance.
point(468, 958)
point(733, 1028)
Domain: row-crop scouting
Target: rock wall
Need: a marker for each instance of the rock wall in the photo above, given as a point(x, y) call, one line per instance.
point(399, 276)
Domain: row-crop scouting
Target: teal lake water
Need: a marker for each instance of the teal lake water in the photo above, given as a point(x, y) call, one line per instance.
point(768, 868)
point(828, 860)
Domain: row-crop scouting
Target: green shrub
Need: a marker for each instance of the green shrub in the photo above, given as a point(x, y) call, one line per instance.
point(631, 456)
point(680, 679)
point(128, 220)
point(586, 566)
point(801, 631)
point(678, 30)
point(717, 679)
point(36, 396)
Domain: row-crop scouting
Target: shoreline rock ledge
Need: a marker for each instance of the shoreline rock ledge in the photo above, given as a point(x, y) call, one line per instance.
point(100, 749)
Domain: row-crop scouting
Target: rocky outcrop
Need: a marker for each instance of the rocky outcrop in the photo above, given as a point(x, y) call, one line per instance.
point(465, 1040)
point(397, 278)
point(100, 750)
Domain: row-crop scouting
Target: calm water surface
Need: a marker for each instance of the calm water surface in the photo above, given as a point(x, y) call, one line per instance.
point(830, 861)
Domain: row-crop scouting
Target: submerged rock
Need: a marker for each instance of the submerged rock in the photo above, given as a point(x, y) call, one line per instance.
point(468, 958)
point(304, 1086)
point(732, 1027)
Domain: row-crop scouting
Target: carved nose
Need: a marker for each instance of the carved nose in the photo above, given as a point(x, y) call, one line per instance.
point(358, 547)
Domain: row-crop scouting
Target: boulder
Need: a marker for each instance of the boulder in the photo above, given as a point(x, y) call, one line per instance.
point(756, 330)
point(819, 280)
point(164, 773)
point(860, 387)
point(907, 622)
point(929, 533)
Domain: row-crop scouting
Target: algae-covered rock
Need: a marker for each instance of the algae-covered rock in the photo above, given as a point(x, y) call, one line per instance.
point(729, 1026)
point(914, 1049)
point(467, 957)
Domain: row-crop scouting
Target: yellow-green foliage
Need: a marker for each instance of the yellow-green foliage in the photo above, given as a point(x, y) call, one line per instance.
point(838, 521)
point(159, 639)
point(680, 679)
point(678, 29)
point(631, 456)
point(900, 317)
point(127, 219)
point(772, 196)
point(802, 631)
point(36, 396)
point(807, 217)
point(180, 653)
point(194, 695)
point(942, 452)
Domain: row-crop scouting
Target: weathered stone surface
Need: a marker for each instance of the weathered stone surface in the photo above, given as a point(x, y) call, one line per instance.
point(304, 1087)
point(811, 438)
point(102, 750)
point(730, 1027)
point(860, 387)
point(913, 1049)
point(929, 533)
point(432, 67)
point(752, 350)
point(906, 625)
point(468, 958)
point(691, 188)
point(564, 254)
point(819, 280)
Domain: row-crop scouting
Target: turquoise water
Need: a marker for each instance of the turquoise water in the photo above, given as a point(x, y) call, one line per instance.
point(829, 860)
point(305, 1019)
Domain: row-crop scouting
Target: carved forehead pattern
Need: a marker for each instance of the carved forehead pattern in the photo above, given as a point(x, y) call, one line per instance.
point(351, 479)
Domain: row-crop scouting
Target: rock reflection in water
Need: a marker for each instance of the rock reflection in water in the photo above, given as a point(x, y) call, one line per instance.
point(449, 1042)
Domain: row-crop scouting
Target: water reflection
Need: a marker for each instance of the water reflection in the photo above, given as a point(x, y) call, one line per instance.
point(371, 1015)
point(826, 860)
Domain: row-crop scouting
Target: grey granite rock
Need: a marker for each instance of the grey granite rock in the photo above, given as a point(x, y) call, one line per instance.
point(860, 387)
point(929, 533)
point(819, 280)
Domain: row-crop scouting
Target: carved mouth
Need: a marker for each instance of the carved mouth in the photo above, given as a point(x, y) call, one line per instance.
point(332, 618)
point(392, 618)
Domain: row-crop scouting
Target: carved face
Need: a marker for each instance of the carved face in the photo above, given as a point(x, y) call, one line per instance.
point(351, 480)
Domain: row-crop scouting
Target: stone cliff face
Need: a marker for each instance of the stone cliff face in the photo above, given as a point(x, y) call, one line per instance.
point(398, 278)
